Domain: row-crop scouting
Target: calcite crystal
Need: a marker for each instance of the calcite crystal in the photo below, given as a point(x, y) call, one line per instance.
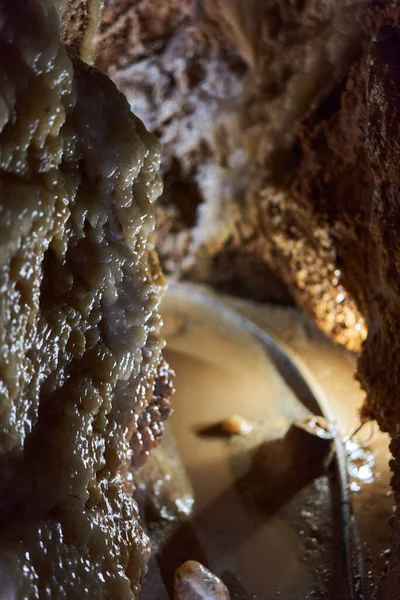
point(83, 385)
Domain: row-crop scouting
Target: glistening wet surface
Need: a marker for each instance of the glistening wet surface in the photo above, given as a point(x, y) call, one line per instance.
point(262, 518)
point(333, 368)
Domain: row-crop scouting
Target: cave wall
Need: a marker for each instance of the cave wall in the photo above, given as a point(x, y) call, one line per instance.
point(280, 127)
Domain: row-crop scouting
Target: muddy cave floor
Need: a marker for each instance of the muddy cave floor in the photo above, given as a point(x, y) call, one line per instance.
point(243, 530)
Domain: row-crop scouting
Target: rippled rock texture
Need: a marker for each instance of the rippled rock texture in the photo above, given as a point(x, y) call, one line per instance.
point(84, 389)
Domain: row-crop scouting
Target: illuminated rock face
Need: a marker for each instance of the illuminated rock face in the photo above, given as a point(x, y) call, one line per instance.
point(224, 85)
point(270, 163)
point(83, 386)
point(280, 126)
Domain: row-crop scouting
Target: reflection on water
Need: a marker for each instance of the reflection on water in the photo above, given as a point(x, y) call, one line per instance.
point(361, 463)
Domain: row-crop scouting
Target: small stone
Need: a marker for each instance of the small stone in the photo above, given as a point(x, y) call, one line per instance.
point(310, 441)
point(236, 425)
point(194, 582)
point(311, 543)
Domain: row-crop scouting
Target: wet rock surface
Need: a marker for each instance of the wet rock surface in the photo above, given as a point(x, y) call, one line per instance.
point(83, 385)
point(273, 164)
point(195, 582)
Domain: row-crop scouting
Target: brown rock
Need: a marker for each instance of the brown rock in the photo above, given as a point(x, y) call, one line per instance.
point(223, 84)
point(280, 123)
point(83, 386)
point(195, 582)
point(79, 22)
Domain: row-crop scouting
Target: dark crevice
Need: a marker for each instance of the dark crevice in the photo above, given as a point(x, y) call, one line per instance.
point(181, 191)
point(332, 102)
point(48, 268)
